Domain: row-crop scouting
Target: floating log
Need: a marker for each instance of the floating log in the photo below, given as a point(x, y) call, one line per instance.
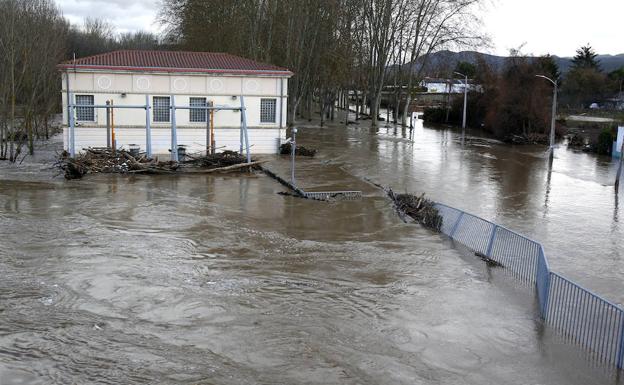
point(221, 169)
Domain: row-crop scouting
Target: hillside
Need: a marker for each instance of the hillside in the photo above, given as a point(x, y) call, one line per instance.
point(445, 61)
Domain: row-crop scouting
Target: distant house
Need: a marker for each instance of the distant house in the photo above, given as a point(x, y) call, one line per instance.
point(447, 86)
point(616, 103)
point(168, 83)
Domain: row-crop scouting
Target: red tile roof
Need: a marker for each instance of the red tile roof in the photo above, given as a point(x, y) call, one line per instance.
point(174, 61)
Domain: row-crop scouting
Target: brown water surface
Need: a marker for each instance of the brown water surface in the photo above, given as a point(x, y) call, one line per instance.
point(220, 280)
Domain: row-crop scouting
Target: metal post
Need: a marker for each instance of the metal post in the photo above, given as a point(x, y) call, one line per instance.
point(67, 96)
point(112, 114)
point(174, 131)
point(459, 218)
point(281, 125)
point(620, 355)
point(148, 128)
point(244, 128)
point(212, 133)
point(70, 113)
point(619, 171)
point(553, 120)
point(72, 128)
point(488, 252)
point(293, 148)
point(465, 106)
point(465, 110)
point(108, 125)
point(208, 112)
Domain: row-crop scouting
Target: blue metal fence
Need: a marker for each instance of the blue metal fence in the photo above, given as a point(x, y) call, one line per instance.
point(576, 313)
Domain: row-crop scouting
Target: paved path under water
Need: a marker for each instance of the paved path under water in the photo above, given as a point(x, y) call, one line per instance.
point(570, 206)
point(211, 279)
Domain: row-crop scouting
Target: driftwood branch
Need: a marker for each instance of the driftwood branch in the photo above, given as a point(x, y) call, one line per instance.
point(222, 169)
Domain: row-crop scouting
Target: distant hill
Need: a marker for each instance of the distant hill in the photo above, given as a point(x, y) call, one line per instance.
point(444, 61)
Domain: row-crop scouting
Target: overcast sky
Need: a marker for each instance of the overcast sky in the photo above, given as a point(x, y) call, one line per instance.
point(542, 26)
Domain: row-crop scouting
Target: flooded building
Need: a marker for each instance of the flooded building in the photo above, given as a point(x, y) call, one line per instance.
point(170, 84)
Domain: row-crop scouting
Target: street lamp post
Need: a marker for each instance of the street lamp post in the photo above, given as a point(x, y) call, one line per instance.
point(465, 105)
point(553, 120)
point(293, 149)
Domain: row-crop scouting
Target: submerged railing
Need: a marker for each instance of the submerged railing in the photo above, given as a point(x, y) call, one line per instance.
point(576, 313)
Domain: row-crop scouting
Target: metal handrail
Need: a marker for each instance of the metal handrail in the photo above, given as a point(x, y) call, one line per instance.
point(578, 313)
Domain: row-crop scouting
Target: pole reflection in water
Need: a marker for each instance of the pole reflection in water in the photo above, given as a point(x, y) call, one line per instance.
point(548, 183)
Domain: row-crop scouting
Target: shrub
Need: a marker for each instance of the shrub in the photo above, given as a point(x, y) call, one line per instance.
point(604, 145)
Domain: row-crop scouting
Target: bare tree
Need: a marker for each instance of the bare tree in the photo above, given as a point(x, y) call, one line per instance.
point(434, 25)
point(32, 36)
point(331, 45)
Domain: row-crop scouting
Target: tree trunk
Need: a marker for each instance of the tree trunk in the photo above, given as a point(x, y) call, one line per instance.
point(29, 131)
point(406, 108)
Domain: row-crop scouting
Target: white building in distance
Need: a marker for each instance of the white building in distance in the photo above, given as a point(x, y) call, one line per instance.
point(448, 86)
point(168, 82)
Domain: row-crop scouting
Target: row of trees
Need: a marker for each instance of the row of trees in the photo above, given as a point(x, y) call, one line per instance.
point(97, 36)
point(510, 102)
point(332, 45)
point(34, 38)
point(586, 82)
point(31, 42)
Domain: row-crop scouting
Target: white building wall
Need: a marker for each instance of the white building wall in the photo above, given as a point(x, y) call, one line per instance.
point(263, 140)
point(131, 88)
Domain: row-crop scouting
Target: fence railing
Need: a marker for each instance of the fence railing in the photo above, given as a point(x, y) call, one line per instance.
point(576, 313)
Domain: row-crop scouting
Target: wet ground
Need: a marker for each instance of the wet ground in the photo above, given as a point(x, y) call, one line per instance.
point(220, 280)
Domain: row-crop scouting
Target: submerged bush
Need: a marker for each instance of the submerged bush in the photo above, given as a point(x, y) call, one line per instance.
point(604, 145)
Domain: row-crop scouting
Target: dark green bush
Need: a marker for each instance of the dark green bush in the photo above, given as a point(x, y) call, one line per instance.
point(604, 145)
point(434, 115)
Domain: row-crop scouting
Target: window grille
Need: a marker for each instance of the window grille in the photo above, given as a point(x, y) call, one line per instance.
point(161, 109)
point(267, 110)
point(196, 115)
point(85, 114)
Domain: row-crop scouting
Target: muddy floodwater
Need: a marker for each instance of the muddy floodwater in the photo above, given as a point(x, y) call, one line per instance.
point(220, 280)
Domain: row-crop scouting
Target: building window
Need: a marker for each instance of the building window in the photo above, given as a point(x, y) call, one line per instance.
point(161, 109)
point(196, 115)
point(85, 114)
point(267, 110)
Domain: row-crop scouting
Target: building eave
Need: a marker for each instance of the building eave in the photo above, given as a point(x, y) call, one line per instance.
point(170, 70)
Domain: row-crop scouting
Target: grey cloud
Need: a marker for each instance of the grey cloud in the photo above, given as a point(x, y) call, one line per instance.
point(125, 15)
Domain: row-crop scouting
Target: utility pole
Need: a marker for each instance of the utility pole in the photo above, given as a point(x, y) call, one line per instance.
point(108, 125)
point(621, 163)
point(293, 148)
point(465, 105)
point(553, 121)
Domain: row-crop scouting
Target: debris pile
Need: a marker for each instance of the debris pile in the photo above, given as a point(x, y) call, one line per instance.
point(222, 159)
point(286, 148)
point(488, 261)
point(576, 140)
point(105, 160)
point(419, 208)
